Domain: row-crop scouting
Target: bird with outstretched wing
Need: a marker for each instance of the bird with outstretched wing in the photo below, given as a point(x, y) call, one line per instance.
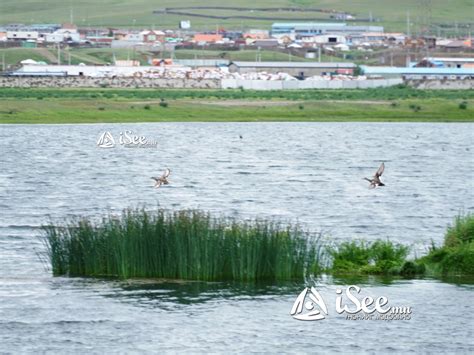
point(163, 179)
point(375, 181)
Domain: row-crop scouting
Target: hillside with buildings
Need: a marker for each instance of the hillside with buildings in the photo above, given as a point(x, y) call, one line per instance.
point(331, 43)
point(416, 16)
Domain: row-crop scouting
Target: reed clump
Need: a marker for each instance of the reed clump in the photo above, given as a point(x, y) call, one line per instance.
point(189, 245)
point(359, 257)
point(456, 256)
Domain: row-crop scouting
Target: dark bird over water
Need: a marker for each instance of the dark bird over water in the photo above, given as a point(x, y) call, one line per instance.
point(163, 179)
point(375, 181)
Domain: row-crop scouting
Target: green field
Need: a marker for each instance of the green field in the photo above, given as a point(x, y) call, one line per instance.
point(104, 56)
point(110, 105)
point(139, 13)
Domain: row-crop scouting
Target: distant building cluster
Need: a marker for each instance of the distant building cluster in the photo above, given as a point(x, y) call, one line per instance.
point(310, 39)
point(301, 35)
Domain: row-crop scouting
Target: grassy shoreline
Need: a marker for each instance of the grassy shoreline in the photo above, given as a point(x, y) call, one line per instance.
point(399, 104)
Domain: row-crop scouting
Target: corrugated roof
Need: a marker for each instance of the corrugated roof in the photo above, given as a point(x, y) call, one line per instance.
point(293, 64)
point(202, 62)
point(312, 24)
point(420, 71)
point(447, 59)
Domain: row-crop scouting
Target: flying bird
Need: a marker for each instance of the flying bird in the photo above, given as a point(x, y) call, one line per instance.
point(375, 181)
point(163, 179)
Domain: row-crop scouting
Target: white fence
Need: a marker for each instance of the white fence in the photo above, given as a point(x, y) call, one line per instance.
point(308, 84)
point(131, 82)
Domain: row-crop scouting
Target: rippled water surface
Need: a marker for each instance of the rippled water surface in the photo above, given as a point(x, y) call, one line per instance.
point(310, 173)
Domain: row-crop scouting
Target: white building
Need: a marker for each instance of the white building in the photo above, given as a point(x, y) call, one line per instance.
point(63, 35)
point(324, 39)
point(97, 71)
point(22, 35)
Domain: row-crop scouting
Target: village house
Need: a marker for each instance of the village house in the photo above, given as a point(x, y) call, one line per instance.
point(120, 35)
point(67, 33)
point(454, 45)
point(127, 40)
point(22, 35)
point(285, 40)
point(417, 72)
point(152, 36)
point(437, 62)
point(266, 43)
point(329, 39)
point(256, 34)
point(205, 38)
point(40, 28)
point(317, 28)
point(102, 41)
point(297, 69)
point(377, 38)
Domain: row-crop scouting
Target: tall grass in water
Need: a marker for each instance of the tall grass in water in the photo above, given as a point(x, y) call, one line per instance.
point(182, 245)
point(359, 257)
point(456, 256)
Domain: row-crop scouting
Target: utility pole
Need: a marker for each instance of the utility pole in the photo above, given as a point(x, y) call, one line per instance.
point(408, 23)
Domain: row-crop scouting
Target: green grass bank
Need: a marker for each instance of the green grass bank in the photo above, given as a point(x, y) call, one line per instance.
point(112, 105)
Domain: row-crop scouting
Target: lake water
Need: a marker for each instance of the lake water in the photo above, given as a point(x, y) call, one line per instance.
point(307, 173)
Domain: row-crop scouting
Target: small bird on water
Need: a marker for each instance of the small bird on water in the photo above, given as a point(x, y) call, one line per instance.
point(163, 179)
point(375, 181)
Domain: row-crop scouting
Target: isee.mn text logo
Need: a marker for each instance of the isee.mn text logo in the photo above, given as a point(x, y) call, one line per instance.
point(127, 139)
point(367, 308)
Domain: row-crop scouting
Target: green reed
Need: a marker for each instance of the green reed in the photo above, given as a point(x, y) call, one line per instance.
point(360, 257)
point(456, 255)
point(189, 245)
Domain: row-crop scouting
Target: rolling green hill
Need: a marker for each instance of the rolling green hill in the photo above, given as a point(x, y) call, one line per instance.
point(455, 14)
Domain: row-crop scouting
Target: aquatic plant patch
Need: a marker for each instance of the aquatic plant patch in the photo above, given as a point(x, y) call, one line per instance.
point(189, 245)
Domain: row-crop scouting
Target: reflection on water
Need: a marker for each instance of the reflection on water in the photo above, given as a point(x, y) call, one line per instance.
point(167, 294)
point(310, 173)
point(56, 314)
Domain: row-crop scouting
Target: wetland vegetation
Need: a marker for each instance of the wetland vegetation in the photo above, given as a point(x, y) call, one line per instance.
point(192, 245)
